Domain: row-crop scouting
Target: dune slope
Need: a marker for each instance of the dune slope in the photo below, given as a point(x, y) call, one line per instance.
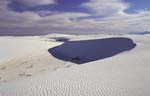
point(126, 74)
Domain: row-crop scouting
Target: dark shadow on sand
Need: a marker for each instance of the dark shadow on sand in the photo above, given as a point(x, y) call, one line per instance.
point(60, 39)
point(80, 52)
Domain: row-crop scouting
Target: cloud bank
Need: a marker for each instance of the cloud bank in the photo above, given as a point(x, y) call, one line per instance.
point(87, 17)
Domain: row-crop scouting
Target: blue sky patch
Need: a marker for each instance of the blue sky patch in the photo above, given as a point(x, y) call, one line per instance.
point(136, 5)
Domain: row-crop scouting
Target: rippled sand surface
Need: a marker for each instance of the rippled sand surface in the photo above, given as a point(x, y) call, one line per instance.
point(125, 74)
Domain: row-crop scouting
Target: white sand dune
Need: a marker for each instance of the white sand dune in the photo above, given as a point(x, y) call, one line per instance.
point(125, 74)
point(25, 56)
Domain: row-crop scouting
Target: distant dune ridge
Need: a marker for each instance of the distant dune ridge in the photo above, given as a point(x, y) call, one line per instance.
point(90, 50)
point(140, 33)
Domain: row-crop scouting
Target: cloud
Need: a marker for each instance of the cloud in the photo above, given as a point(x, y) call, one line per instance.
point(106, 7)
point(110, 18)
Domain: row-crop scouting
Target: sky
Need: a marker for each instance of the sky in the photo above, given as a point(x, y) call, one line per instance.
point(39, 17)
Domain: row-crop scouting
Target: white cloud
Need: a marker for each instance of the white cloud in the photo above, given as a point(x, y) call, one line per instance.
point(106, 7)
point(114, 20)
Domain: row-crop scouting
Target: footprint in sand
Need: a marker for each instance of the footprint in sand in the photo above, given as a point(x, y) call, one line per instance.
point(67, 66)
point(3, 68)
point(24, 75)
point(29, 66)
point(28, 75)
